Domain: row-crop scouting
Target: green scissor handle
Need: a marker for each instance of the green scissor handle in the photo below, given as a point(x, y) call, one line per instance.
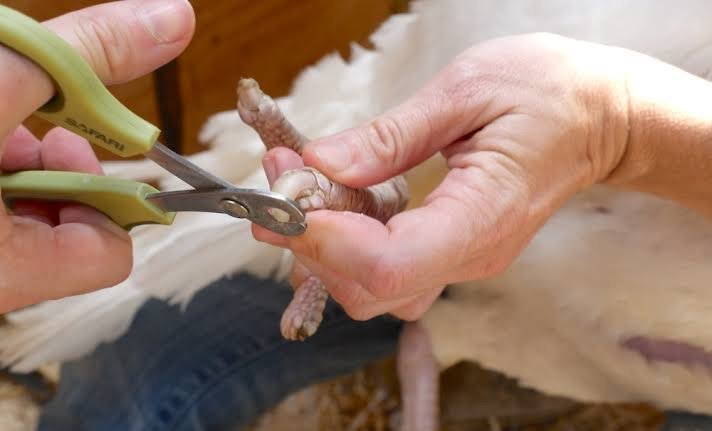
point(83, 105)
point(121, 200)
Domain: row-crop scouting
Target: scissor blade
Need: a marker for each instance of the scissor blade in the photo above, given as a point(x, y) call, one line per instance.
point(255, 205)
point(184, 169)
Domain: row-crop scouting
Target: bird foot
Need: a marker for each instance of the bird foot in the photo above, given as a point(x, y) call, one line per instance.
point(304, 314)
point(261, 112)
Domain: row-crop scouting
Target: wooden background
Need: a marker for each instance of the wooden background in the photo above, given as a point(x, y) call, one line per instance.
point(269, 40)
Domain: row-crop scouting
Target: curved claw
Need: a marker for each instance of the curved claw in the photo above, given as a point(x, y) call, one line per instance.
point(304, 314)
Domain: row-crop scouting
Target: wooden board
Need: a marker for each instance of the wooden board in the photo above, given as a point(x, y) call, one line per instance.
point(269, 40)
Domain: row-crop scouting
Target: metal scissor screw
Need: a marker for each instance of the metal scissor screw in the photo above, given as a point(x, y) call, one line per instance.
point(233, 208)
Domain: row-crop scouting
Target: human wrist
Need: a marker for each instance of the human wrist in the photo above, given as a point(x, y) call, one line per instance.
point(669, 143)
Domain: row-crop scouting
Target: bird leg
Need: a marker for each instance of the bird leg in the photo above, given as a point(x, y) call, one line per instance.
point(417, 368)
point(303, 315)
point(418, 374)
point(312, 190)
point(260, 112)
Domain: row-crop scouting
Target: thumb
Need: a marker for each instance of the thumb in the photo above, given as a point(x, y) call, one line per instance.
point(450, 107)
point(382, 148)
point(120, 40)
point(123, 40)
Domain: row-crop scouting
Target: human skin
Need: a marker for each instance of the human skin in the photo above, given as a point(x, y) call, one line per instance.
point(524, 123)
point(52, 251)
point(312, 191)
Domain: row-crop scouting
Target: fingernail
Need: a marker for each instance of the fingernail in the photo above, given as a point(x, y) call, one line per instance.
point(335, 156)
point(168, 21)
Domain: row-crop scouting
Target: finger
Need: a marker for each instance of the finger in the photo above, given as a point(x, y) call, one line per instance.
point(123, 40)
point(84, 251)
point(356, 301)
point(279, 160)
point(120, 40)
point(64, 151)
point(79, 214)
point(464, 219)
point(45, 212)
point(454, 104)
point(357, 248)
point(349, 294)
point(59, 150)
point(41, 262)
point(22, 151)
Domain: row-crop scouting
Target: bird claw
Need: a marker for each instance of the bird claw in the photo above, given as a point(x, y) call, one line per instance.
point(312, 190)
point(304, 314)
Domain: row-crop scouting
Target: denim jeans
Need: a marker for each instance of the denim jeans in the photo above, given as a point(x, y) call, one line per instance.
point(219, 364)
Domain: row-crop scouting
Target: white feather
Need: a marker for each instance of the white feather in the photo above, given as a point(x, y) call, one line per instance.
point(555, 308)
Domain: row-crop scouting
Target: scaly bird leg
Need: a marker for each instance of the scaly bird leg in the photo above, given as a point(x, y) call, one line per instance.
point(304, 313)
point(313, 191)
point(418, 374)
point(259, 111)
point(417, 367)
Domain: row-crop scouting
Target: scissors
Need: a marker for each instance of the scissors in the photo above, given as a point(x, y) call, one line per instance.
point(83, 105)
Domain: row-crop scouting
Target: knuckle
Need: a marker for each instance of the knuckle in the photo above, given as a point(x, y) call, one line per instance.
point(409, 314)
point(388, 279)
point(385, 137)
point(106, 44)
point(311, 248)
point(470, 81)
point(358, 313)
point(348, 298)
point(463, 69)
point(418, 307)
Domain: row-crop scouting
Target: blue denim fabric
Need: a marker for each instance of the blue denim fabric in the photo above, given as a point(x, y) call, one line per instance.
point(215, 366)
point(219, 364)
point(681, 421)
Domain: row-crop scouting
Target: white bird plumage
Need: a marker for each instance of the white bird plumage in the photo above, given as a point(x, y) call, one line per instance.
point(554, 320)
